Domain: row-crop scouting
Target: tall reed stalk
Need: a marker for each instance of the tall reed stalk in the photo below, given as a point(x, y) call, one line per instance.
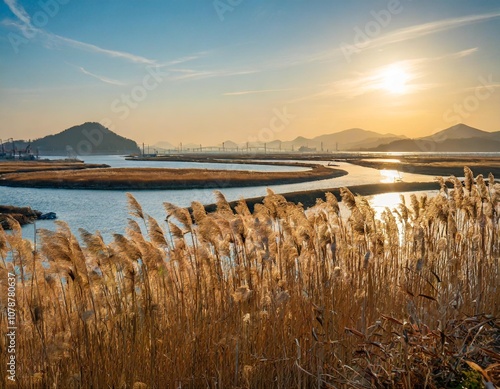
point(280, 297)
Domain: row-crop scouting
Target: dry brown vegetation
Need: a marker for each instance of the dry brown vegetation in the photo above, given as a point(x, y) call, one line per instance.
point(23, 215)
point(280, 297)
point(432, 165)
point(161, 178)
point(34, 166)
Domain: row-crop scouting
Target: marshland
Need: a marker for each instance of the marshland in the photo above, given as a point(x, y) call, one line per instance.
point(249, 194)
point(161, 178)
point(280, 296)
point(432, 164)
point(106, 210)
point(15, 166)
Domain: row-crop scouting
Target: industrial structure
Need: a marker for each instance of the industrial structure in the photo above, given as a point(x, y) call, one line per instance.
point(9, 150)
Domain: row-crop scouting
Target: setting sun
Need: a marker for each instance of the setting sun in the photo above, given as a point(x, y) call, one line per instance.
point(394, 79)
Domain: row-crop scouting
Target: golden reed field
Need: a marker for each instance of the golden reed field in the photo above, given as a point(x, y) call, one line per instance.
point(279, 298)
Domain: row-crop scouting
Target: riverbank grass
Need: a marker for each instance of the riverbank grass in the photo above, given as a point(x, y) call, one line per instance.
point(276, 297)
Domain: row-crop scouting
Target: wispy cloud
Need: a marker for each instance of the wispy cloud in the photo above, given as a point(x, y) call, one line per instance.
point(426, 60)
point(424, 29)
point(99, 50)
point(19, 11)
point(101, 78)
point(182, 60)
point(404, 34)
point(491, 86)
point(464, 53)
point(379, 79)
point(251, 92)
point(186, 74)
point(392, 37)
point(191, 74)
point(54, 39)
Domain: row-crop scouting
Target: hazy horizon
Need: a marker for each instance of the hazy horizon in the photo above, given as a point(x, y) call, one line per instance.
point(207, 72)
point(218, 142)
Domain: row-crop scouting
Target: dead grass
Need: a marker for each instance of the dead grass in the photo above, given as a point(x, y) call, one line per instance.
point(433, 165)
point(35, 166)
point(280, 297)
point(161, 178)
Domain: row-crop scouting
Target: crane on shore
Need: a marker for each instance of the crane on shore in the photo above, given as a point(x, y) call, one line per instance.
point(4, 153)
point(26, 153)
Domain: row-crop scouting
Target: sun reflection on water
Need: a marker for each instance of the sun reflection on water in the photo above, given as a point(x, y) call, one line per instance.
point(382, 201)
point(389, 176)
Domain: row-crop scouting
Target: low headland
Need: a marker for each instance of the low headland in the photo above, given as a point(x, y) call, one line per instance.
point(309, 198)
point(23, 215)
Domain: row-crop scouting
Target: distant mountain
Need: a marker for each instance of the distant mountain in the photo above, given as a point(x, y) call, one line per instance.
point(85, 139)
point(459, 131)
point(352, 135)
point(449, 145)
point(163, 145)
point(351, 139)
point(229, 145)
point(458, 138)
point(372, 142)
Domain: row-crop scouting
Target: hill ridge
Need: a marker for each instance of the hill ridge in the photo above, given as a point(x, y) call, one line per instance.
point(457, 138)
point(85, 139)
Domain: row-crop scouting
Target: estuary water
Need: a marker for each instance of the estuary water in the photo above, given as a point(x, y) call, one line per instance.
point(106, 211)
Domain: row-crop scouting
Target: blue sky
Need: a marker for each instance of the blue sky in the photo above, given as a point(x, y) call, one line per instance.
point(208, 71)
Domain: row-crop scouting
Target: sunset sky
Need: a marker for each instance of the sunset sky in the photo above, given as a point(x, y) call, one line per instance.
point(205, 71)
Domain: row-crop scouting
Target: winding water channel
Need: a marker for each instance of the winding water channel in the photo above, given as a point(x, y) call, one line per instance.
point(107, 212)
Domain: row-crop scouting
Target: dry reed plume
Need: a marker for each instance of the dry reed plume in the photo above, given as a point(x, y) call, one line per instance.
point(280, 297)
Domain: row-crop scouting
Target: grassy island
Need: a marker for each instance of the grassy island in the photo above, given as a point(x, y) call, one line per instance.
point(159, 178)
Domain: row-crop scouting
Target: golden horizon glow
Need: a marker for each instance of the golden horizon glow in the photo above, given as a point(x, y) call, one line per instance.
point(332, 66)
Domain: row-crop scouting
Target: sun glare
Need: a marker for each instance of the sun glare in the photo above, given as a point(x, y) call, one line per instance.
point(389, 176)
point(394, 79)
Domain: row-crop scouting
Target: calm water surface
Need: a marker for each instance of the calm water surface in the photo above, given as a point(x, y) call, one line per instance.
point(106, 211)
